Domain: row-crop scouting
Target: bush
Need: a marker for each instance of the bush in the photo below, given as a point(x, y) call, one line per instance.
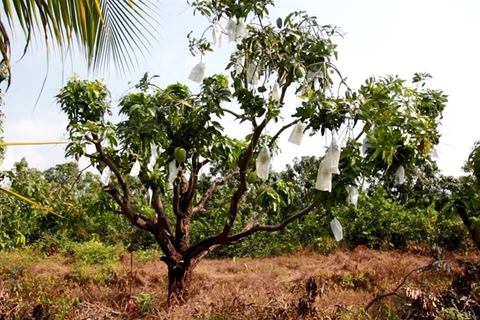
point(93, 252)
point(381, 223)
point(450, 233)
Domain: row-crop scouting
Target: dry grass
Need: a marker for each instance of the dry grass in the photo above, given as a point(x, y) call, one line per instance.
point(265, 288)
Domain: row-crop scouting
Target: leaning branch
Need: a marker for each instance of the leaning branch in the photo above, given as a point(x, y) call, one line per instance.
point(275, 137)
point(395, 292)
point(200, 207)
point(135, 218)
point(269, 228)
point(162, 223)
point(192, 185)
point(243, 181)
point(113, 167)
point(176, 196)
point(78, 178)
point(238, 116)
point(211, 242)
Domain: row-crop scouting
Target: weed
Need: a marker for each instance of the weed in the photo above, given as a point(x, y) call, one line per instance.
point(146, 302)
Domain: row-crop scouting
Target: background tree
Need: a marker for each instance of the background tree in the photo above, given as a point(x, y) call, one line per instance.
point(86, 213)
point(465, 201)
point(173, 133)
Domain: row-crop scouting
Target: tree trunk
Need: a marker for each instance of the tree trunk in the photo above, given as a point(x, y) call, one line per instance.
point(472, 229)
point(179, 275)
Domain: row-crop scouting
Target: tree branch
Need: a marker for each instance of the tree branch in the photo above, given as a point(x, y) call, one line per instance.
point(269, 228)
point(77, 179)
point(238, 116)
point(111, 165)
point(242, 188)
point(362, 132)
point(162, 221)
point(220, 238)
point(176, 197)
point(243, 180)
point(135, 218)
point(201, 204)
point(275, 137)
point(91, 156)
point(208, 243)
point(394, 292)
point(192, 185)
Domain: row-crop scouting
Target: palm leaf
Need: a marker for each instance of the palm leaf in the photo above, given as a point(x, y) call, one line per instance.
point(104, 30)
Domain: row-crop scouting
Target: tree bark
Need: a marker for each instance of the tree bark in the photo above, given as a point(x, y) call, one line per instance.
point(182, 234)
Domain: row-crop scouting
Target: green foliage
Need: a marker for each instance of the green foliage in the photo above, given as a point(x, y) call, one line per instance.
point(295, 55)
point(380, 223)
point(403, 120)
point(88, 213)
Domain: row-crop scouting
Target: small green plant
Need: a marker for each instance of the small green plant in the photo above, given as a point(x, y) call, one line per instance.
point(325, 245)
point(146, 302)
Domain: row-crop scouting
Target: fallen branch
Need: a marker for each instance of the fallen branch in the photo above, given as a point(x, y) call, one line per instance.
point(432, 265)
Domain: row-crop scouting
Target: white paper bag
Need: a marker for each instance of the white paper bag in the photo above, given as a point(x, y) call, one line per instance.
point(274, 94)
point(352, 198)
point(150, 195)
point(198, 72)
point(239, 64)
point(324, 178)
point(232, 29)
point(400, 175)
point(332, 158)
point(151, 162)
point(217, 34)
point(312, 75)
point(337, 229)
point(105, 177)
point(241, 31)
point(90, 149)
point(335, 157)
point(252, 73)
point(135, 171)
point(296, 136)
point(172, 171)
point(263, 163)
point(154, 150)
point(365, 146)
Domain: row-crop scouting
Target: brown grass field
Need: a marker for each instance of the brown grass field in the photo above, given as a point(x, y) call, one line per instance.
point(54, 287)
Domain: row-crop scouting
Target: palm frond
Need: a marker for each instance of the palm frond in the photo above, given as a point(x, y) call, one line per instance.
point(105, 30)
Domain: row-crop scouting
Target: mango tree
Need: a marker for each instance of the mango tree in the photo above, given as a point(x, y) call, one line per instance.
point(465, 200)
point(168, 135)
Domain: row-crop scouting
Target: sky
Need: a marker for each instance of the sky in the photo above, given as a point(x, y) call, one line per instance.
point(381, 37)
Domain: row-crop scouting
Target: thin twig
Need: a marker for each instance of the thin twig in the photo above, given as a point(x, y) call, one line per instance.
point(78, 178)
